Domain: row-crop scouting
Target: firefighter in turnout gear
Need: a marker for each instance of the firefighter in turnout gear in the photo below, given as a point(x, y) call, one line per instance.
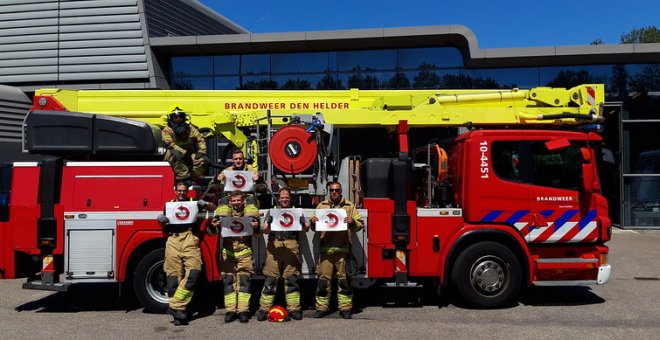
point(236, 266)
point(282, 261)
point(335, 247)
point(186, 148)
point(183, 260)
point(238, 164)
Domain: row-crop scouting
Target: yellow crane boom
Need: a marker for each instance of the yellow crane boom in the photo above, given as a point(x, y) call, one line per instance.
point(225, 112)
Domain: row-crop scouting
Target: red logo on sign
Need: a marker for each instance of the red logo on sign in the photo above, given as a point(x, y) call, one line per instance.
point(333, 220)
point(239, 181)
point(181, 213)
point(287, 220)
point(236, 226)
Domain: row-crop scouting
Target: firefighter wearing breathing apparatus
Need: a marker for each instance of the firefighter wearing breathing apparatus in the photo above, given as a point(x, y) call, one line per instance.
point(186, 148)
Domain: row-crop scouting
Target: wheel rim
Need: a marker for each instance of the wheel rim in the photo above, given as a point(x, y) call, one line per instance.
point(155, 283)
point(489, 275)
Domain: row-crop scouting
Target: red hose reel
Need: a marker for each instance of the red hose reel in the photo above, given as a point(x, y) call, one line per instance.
point(292, 149)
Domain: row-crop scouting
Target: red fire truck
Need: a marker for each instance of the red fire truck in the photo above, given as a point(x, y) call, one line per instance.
point(513, 201)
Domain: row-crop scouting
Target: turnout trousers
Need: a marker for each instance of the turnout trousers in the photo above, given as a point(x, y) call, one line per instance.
point(183, 267)
point(237, 270)
point(282, 261)
point(333, 264)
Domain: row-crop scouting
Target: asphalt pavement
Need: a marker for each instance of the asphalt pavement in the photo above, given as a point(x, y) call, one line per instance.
point(626, 307)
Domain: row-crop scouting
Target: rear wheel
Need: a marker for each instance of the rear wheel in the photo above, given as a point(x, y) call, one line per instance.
point(487, 275)
point(150, 282)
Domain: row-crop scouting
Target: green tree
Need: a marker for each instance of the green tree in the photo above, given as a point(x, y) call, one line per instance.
point(570, 78)
point(642, 35)
point(398, 82)
point(461, 81)
point(426, 78)
point(264, 84)
point(646, 80)
point(297, 84)
point(328, 82)
point(363, 79)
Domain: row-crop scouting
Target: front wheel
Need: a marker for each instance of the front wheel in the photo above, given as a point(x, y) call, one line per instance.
point(150, 282)
point(487, 275)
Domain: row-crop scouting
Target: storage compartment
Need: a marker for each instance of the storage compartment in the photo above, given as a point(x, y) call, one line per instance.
point(89, 253)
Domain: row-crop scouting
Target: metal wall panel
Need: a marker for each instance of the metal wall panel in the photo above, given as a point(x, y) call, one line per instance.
point(176, 18)
point(51, 41)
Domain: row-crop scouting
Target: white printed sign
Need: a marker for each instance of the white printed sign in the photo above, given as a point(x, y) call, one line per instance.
point(331, 220)
point(238, 180)
point(286, 219)
point(236, 226)
point(181, 212)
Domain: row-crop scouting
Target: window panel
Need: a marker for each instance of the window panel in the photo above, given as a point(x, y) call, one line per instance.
point(367, 60)
point(501, 78)
point(226, 83)
point(641, 201)
point(226, 64)
point(192, 83)
point(192, 66)
point(570, 76)
point(258, 83)
point(434, 57)
point(255, 64)
point(300, 62)
point(642, 148)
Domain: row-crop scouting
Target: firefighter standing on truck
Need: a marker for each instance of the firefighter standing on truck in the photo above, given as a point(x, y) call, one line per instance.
point(183, 260)
point(186, 148)
point(236, 266)
point(282, 261)
point(238, 164)
point(335, 247)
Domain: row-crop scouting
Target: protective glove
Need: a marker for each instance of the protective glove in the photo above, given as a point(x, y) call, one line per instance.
point(211, 230)
point(176, 155)
point(202, 204)
point(269, 219)
point(163, 219)
point(302, 221)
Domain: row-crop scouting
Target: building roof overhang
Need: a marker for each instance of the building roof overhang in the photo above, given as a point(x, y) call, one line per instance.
point(457, 36)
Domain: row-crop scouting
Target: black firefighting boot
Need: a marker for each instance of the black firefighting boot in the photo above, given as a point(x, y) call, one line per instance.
point(262, 315)
point(230, 316)
point(296, 315)
point(180, 316)
point(244, 317)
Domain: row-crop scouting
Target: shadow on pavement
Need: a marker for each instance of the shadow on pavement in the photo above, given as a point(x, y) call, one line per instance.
point(560, 296)
point(89, 297)
point(106, 297)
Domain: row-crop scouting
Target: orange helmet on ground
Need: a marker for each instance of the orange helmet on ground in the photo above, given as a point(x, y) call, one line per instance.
point(277, 314)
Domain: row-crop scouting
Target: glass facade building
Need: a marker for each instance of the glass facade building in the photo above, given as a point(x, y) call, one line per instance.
point(630, 168)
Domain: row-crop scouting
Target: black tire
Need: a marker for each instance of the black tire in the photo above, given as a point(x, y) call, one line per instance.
point(150, 282)
point(487, 275)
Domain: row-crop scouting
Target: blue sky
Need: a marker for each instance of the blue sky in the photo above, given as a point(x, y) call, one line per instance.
point(496, 24)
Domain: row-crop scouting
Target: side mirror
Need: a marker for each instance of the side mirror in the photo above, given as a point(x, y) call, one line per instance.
point(587, 171)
